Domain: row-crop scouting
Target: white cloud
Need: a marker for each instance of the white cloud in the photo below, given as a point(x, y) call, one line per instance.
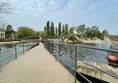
point(73, 12)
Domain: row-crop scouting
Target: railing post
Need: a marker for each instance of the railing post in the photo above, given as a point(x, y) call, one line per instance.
point(23, 47)
point(15, 52)
point(56, 51)
point(75, 62)
point(27, 46)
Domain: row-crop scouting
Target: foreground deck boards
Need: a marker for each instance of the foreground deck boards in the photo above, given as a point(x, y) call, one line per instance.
point(35, 66)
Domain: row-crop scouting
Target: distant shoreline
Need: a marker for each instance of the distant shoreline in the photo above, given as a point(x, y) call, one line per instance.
point(13, 42)
point(93, 41)
point(84, 41)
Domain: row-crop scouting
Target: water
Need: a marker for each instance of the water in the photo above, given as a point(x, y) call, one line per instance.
point(66, 55)
point(8, 52)
point(104, 43)
point(86, 54)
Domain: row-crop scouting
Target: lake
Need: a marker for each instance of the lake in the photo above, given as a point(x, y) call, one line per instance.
point(10, 51)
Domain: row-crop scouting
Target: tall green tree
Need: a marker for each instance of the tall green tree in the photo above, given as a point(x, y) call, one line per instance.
point(63, 29)
point(66, 29)
point(59, 29)
point(56, 31)
point(52, 29)
point(48, 28)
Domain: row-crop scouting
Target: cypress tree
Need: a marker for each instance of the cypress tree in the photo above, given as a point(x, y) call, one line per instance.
point(48, 28)
point(66, 29)
point(56, 31)
point(59, 29)
point(63, 29)
point(52, 29)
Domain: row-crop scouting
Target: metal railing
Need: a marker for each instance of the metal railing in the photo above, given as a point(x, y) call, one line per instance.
point(71, 54)
point(12, 51)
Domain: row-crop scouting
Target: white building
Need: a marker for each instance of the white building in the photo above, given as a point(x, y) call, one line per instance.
point(2, 32)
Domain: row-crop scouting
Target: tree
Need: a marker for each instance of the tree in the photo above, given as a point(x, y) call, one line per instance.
point(56, 31)
point(66, 29)
point(63, 29)
point(9, 31)
point(88, 33)
point(52, 29)
point(81, 30)
point(95, 31)
point(71, 30)
point(48, 28)
point(59, 29)
point(4, 8)
point(25, 32)
point(42, 34)
point(105, 32)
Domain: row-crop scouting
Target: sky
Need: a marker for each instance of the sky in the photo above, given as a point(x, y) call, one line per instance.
point(35, 13)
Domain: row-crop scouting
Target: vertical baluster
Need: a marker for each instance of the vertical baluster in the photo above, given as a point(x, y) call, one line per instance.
point(23, 47)
point(57, 50)
point(75, 62)
point(15, 51)
point(27, 46)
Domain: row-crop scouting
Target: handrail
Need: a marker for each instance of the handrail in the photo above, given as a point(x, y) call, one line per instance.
point(91, 47)
point(16, 50)
point(83, 46)
point(100, 70)
point(76, 71)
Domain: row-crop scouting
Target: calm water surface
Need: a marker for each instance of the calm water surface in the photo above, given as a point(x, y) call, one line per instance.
point(7, 52)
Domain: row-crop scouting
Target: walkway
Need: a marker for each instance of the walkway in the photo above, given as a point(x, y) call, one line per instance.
point(35, 66)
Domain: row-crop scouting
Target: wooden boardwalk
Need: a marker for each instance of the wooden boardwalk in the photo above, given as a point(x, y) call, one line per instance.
point(35, 66)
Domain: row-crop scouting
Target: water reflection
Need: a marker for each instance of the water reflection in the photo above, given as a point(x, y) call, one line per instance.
point(9, 46)
point(95, 58)
point(84, 54)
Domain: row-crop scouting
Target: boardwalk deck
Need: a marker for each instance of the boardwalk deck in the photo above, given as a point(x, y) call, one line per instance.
point(35, 66)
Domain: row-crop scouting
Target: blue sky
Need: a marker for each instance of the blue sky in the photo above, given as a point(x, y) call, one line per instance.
point(35, 13)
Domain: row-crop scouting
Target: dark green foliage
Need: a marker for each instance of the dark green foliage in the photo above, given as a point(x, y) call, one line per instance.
point(71, 30)
point(45, 29)
point(66, 29)
point(43, 34)
point(90, 32)
point(25, 32)
point(59, 29)
point(56, 31)
point(105, 32)
point(71, 37)
point(63, 29)
point(9, 31)
point(52, 29)
point(48, 27)
point(82, 30)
